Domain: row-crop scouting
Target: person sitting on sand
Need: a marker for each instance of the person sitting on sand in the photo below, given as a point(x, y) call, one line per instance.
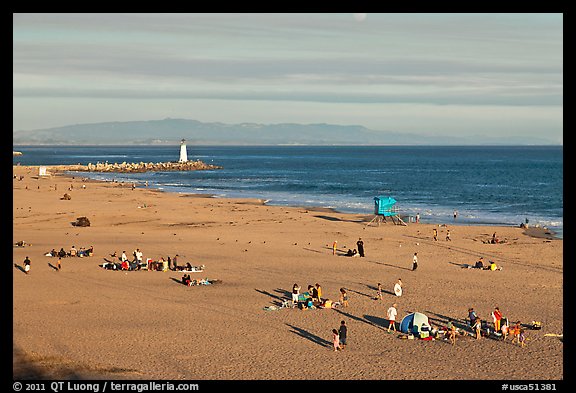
point(343, 297)
point(125, 265)
point(188, 266)
point(62, 253)
point(309, 304)
point(493, 266)
point(27, 264)
point(73, 252)
point(494, 239)
point(480, 263)
point(186, 279)
point(81, 253)
point(351, 253)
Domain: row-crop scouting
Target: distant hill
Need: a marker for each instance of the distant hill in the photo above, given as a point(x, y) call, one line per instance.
point(169, 131)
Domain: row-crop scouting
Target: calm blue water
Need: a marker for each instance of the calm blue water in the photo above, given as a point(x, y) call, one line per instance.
point(494, 185)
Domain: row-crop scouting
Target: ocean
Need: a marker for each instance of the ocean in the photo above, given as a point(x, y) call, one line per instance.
point(489, 185)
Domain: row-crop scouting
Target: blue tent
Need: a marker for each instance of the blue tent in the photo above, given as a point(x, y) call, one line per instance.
point(383, 205)
point(412, 323)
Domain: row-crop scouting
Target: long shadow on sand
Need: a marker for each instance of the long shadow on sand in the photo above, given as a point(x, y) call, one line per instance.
point(52, 266)
point(387, 264)
point(375, 289)
point(359, 293)
point(330, 218)
point(371, 320)
point(19, 268)
point(309, 336)
point(278, 300)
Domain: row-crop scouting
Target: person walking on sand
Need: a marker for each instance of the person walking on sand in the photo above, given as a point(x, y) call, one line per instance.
point(415, 261)
point(342, 333)
point(391, 315)
point(335, 340)
point(334, 245)
point(59, 264)
point(27, 263)
point(360, 245)
point(378, 292)
point(448, 235)
point(435, 234)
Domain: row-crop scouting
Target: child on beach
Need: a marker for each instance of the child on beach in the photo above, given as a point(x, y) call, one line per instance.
point(478, 328)
point(522, 338)
point(336, 340)
point(415, 261)
point(435, 234)
point(452, 332)
point(295, 294)
point(343, 297)
point(334, 247)
point(378, 292)
point(59, 264)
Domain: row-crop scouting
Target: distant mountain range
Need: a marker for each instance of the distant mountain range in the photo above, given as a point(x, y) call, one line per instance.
point(170, 131)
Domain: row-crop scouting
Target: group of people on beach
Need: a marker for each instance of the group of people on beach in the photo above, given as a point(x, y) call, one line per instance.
point(137, 262)
point(313, 298)
point(352, 252)
point(501, 326)
point(82, 252)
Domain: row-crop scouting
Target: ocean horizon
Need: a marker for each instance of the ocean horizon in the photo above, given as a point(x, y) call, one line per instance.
point(486, 185)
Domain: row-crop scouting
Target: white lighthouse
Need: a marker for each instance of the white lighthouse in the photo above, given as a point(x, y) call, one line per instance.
point(183, 153)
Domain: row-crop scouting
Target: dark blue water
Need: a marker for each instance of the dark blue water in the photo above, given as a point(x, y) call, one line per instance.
point(494, 185)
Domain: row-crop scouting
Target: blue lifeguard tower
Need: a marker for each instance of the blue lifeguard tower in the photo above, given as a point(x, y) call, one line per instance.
point(385, 206)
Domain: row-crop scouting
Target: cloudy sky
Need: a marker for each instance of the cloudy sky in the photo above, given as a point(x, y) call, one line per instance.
point(431, 74)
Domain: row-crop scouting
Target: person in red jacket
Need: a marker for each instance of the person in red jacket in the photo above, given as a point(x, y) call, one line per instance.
point(497, 316)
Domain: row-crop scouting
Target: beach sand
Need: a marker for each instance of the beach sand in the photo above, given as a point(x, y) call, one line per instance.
point(87, 322)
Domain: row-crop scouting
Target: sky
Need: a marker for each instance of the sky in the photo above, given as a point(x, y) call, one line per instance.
point(429, 74)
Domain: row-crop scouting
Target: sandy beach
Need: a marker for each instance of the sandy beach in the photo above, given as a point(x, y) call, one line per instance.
point(87, 322)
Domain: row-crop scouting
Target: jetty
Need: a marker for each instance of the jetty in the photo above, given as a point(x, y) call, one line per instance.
point(139, 167)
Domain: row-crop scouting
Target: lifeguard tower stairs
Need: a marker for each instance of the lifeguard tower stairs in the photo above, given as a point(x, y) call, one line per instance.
point(384, 207)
